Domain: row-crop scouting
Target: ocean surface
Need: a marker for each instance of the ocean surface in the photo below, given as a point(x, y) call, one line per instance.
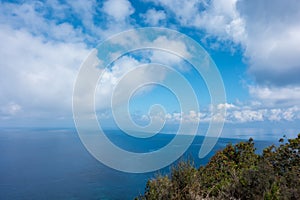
point(53, 164)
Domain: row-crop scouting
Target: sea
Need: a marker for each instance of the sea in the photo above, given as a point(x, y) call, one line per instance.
point(43, 163)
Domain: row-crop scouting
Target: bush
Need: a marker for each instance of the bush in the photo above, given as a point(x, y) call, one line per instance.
point(235, 172)
point(182, 184)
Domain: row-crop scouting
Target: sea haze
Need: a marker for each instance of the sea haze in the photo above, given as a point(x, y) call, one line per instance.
point(54, 164)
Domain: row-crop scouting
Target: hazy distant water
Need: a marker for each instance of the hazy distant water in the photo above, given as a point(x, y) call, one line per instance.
point(53, 164)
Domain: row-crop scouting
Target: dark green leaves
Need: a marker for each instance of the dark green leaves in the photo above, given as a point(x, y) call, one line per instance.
point(236, 172)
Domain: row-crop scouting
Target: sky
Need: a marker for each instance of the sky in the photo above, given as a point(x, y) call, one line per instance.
point(254, 44)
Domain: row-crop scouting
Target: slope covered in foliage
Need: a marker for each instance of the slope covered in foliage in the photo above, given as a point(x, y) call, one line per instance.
point(236, 172)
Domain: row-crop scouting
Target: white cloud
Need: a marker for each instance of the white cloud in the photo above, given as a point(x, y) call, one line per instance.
point(110, 79)
point(226, 106)
point(219, 18)
point(222, 19)
point(183, 10)
point(190, 117)
point(10, 109)
point(126, 65)
point(84, 9)
point(167, 51)
point(28, 17)
point(154, 17)
point(171, 60)
point(40, 54)
point(175, 46)
point(70, 21)
point(276, 96)
point(273, 40)
point(118, 9)
point(234, 114)
point(268, 31)
point(246, 114)
point(37, 76)
point(167, 43)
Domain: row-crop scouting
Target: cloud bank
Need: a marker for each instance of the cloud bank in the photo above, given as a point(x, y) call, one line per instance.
point(44, 43)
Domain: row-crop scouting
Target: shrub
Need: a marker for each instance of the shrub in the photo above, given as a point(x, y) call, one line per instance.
point(235, 172)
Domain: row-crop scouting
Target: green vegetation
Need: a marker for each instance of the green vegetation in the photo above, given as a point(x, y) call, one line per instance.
point(235, 172)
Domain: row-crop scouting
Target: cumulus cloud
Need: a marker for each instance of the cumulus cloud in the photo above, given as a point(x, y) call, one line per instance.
point(118, 9)
point(43, 44)
point(273, 40)
point(69, 21)
point(219, 19)
point(237, 114)
point(86, 10)
point(280, 96)
point(176, 46)
point(244, 114)
point(9, 110)
point(41, 52)
point(154, 17)
point(37, 76)
point(126, 65)
point(167, 50)
point(28, 16)
point(223, 20)
point(268, 31)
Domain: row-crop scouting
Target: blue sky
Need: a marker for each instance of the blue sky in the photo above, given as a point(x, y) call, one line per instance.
point(255, 45)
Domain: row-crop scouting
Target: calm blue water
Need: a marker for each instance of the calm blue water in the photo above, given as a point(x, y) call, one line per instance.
point(53, 164)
